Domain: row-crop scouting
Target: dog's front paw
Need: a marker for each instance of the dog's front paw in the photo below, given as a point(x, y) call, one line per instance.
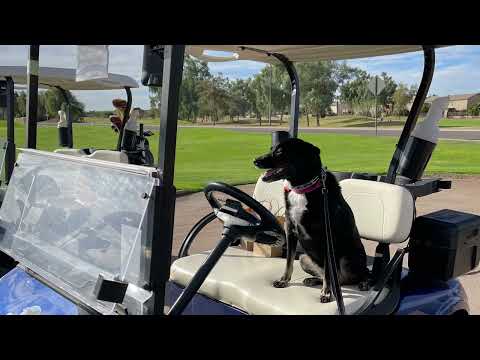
point(280, 283)
point(326, 296)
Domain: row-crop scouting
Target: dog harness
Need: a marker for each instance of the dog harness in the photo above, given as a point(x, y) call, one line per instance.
point(312, 185)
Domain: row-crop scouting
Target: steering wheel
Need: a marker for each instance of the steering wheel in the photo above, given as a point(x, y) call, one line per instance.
point(232, 213)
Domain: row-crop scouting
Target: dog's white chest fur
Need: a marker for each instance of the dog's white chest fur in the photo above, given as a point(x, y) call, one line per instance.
point(298, 206)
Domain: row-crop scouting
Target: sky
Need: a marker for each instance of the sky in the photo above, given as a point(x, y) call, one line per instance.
point(457, 69)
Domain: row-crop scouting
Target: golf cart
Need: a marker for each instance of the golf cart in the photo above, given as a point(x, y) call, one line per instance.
point(132, 149)
point(83, 235)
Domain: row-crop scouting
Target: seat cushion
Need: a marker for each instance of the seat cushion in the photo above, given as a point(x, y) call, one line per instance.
point(244, 280)
point(383, 212)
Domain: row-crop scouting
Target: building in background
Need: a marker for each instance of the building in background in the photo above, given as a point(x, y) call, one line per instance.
point(457, 104)
point(339, 108)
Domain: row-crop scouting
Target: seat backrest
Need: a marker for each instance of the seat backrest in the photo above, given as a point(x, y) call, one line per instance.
point(383, 212)
point(109, 155)
point(68, 151)
point(270, 195)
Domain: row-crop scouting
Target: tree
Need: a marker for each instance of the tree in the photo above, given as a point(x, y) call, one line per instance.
point(194, 72)
point(214, 97)
point(318, 85)
point(402, 96)
point(237, 98)
point(355, 92)
point(252, 98)
point(385, 98)
point(54, 99)
point(474, 110)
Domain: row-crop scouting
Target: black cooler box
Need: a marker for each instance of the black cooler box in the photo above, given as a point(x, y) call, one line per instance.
point(444, 244)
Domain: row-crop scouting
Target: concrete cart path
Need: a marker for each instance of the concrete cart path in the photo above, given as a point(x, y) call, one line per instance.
point(464, 196)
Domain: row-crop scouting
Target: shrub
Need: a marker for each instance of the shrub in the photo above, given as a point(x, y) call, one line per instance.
point(474, 110)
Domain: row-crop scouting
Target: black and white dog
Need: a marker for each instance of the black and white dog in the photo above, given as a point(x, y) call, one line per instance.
point(299, 164)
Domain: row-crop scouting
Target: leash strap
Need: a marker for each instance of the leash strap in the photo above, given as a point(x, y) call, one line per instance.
point(330, 254)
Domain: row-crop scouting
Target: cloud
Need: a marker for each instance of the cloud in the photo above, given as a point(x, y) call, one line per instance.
point(241, 69)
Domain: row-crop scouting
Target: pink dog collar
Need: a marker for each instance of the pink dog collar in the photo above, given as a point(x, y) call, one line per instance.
point(312, 185)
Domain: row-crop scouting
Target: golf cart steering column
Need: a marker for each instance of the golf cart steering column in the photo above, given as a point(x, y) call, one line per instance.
point(229, 235)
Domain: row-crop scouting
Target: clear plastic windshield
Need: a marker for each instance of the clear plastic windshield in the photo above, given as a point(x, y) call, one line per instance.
point(69, 221)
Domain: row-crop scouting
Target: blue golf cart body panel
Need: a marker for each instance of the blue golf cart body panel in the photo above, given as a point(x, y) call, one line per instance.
point(443, 298)
point(20, 292)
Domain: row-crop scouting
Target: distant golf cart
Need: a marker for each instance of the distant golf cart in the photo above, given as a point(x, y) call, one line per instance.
point(132, 146)
point(82, 235)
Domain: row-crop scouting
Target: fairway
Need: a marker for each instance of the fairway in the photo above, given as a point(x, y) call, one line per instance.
point(205, 155)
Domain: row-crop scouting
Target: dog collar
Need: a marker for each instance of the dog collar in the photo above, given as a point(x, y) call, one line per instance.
point(312, 185)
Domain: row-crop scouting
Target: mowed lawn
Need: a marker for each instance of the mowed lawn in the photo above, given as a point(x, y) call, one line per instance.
point(205, 155)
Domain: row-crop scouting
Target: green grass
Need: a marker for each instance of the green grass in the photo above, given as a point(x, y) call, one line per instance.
point(145, 121)
point(329, 121)
point(205, 155)
point(473, 123)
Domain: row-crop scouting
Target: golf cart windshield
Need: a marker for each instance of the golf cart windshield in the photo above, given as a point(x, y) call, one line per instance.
point(68, 220)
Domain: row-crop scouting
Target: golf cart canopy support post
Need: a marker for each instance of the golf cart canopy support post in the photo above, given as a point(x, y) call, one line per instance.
point(32, 96)
point(295, 94)
point(165, 194)
point(69, 119)
point(10, 151)
point(428, 69)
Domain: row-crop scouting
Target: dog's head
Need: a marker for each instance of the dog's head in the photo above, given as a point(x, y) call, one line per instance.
point(294, 160)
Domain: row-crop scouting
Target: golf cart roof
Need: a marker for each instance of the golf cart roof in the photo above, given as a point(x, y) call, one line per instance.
point(66, 79)
point(297, 53)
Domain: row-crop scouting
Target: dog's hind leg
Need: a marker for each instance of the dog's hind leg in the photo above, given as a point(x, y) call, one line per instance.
point(310, 267)
point(353, 271)
point(313, 269)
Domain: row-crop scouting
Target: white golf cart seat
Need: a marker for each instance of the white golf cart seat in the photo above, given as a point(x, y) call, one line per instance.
point(67, 151)
point(270, 195)
point(106, 155)
point(383, 213)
